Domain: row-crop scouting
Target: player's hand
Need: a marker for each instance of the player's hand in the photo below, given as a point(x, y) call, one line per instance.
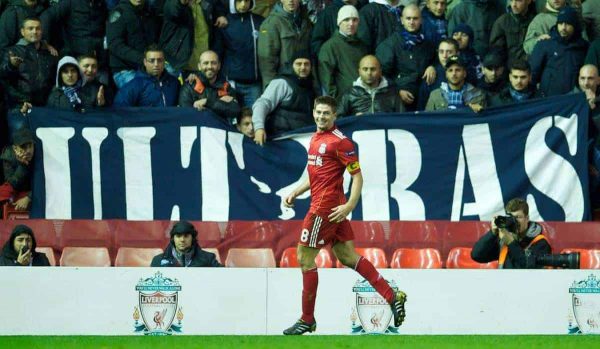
point(260, 136)
point(289, 201)
point(339, 213)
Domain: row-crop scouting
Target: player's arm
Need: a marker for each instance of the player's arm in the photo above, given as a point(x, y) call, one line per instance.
point(289, 201)
point(339, 213)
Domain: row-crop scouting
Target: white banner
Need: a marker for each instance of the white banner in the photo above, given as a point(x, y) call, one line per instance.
point(147, 301)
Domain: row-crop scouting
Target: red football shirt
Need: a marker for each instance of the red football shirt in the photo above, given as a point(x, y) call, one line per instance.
point(329, 153)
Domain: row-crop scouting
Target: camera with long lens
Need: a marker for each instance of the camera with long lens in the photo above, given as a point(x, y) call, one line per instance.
point(563, 260)
point(508, 222)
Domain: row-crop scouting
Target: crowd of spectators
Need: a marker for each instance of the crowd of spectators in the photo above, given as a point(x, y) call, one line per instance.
point(261, 63)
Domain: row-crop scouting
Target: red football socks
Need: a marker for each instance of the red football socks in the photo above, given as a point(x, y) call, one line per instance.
point(368, 271)
point(310, 281)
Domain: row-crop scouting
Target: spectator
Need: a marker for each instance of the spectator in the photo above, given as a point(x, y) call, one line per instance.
point(130, 30)
point(326, 24)
point(593, 54)
point(244, 122)
point(184, 250)
point(72, 91)
point(520, 88)
point(378, 21)
point(263, 7)
point(480, 15)
point(12, 18)
point(19, 250)
point(447, 48)
point(463, 34)
point(285, 31)
point(207, 91)
point(456, 93)
point(371, 92)
point(513, 249)
point(588, 83)
point(187, 31)
point(435, 25)
point(151, 87)
point(340, 55)
point(17, 166)
point(82, 24)
point(287, 101)
point(28, 67)
point(555, 62)
point(508, 32)
point(89, 65)
point(237, 44)
point(494, 79)
point(539, 28)
point(590, 10)
point(406, 57)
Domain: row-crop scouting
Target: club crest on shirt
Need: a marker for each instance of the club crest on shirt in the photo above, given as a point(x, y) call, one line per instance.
point(322, 148)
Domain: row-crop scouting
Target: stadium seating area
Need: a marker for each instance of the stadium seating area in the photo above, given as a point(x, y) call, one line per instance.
point(395, 244)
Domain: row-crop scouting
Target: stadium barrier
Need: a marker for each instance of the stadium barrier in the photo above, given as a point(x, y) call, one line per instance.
point(237, 301)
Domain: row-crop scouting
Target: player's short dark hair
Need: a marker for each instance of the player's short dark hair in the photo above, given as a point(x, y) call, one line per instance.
point(449, 41)
point(520, 64)
point(153, 48)
point(30, 18)
point(517, 204)
point(245, 112)
point(327, 100)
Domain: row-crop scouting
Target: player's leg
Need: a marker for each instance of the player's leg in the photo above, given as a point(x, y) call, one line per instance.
point(344, 251)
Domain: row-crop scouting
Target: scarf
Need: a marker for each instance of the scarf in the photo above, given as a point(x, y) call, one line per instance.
point(519, 96)
point(411, 39)
point(72, 93)
point(440, 24)
point(454, 98)
point(184, 259)
point(395, 10)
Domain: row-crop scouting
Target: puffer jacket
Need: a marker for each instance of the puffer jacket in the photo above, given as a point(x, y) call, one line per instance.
point(148, 91)
point(382, 99)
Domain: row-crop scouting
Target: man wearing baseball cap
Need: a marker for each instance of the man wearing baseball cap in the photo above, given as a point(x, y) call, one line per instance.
point(494, 78)
point(339, 56)
point(456, 93)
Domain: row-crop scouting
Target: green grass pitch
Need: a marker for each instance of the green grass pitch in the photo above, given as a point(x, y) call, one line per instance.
point(305, 342)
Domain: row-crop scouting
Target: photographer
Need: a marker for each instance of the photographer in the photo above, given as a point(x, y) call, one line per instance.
point(19, 250)
point(513, 240)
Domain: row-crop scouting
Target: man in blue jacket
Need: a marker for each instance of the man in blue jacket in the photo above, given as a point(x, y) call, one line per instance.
point(236, 44)
point(151, 87)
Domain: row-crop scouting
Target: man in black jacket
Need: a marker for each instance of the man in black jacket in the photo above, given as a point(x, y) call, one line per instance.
point(515, 249)
point(19, 250)
point(12, 18)
point(184, 250)
point(207, 91)
point(129, 31)
point(520, 88)
point(371, 92)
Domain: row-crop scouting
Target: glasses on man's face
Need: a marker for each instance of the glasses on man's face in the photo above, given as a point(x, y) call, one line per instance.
point(155, 60)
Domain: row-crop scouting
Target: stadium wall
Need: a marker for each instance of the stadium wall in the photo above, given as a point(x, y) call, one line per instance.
point(137, 301)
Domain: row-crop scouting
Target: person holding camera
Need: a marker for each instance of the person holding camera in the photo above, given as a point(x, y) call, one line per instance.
point(514, 241)
point(19, 250)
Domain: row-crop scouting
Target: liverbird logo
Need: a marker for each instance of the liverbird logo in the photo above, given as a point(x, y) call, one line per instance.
point(158, 306)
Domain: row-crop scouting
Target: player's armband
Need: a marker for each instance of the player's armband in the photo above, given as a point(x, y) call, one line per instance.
point(353, 167)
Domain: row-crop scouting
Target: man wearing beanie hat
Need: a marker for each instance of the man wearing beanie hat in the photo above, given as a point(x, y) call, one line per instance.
point(17, 165)
point(19, 250)
point(494, 77)
point(407, 58)
point(326, 24)
point(555, 62)
point(339, 56)
point(539, 28)
point(287, 101)
point(285, 31)
point(184, 250)
point(463, 34)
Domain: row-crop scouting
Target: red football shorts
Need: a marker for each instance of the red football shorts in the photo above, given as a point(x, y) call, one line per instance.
point(317, 231)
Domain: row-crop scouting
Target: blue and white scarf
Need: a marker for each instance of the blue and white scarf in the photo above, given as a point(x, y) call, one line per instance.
point(72, 93)
point(519, 96)
point(454, 98)
point(411, 39)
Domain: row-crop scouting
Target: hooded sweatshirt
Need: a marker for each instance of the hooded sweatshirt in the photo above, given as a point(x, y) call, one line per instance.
point(79, 97)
